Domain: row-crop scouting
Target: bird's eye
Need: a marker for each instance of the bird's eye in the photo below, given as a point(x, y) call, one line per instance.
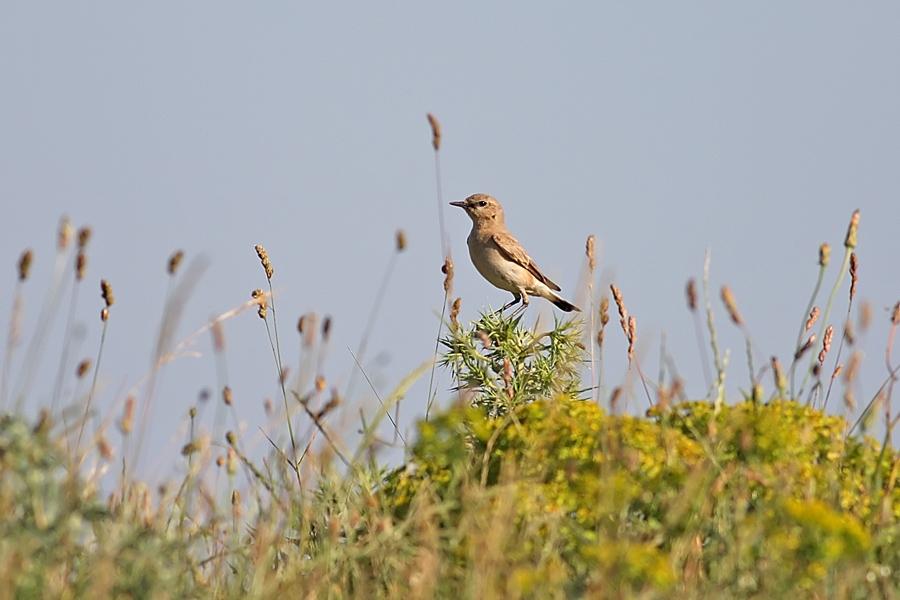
point(482, 203)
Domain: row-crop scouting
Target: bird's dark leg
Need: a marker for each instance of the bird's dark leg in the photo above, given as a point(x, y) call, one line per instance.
point(521, 308)
point(516, 298)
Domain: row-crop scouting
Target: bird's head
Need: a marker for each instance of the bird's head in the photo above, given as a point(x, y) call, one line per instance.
point(482, 209)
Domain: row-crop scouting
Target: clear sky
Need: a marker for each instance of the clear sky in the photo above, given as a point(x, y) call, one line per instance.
point(664, 129)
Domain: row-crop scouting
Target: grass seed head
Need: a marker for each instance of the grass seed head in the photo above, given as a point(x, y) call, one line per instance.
point(813, 317)
point(25, 264)
point(848, 332)
point(589, 250)
point(227, 396)
point(632, 335)
point(83, 367)
point(64, 235)
point(895, 315)
point(447, 270)
point(80, 265)
point(127, 422)
point(454, 313)
point(853, 266)
point(780, 379)
point(691, 291)
point(435, 131)
point(802, 350)
point(852, 366)
point(826, 343)
point(731, 305)
point(218, 333)
point(174, 261)
point(106, 292)
point(84, 236)
point(604, 311)
point(264, 259)
point(401, 240)
point(865, 315)
point(824, 255)
point(850, 240)
point(260, 297)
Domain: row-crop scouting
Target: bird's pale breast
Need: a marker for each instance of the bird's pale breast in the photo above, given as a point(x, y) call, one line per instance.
point(496, 267)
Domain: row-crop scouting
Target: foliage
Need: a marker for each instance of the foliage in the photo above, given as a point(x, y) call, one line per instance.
point(514, 364)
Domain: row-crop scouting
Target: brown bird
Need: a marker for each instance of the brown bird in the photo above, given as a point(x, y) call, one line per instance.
point(501, 259)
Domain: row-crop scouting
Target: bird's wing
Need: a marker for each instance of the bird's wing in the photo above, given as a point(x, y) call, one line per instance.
point(513, 250)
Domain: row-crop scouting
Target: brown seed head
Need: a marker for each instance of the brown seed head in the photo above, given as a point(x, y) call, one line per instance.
point(632, 335)
point(850, 240)
point(849, 399)
point(25, 264)
point(236, 510)
point(824, 255)
point(848, 332)
point(600, 336)
point(104, 315)
point(232, 463)
point(264, 259)
point(106, 293)
point(826, 343)
point(65, 233)
point(813, 317)
point(853, 266)
point(895, 315)
point(865, 315)
point(589, 250)
point(309, 336)
point(127, 421)
point(83, 367)
point(84, 236)
point(218, 333)
point(301, 324)
point(731, 305)
point(401, 240)
point(227, 397)
point(620, 304)
point(435, 131)
point(837, 371)
point(805, 347)
point(447, 270)
point(454, 313)
point(230, 438)
point(326, 328)
point(852, 366)
point(80, 265)
point(604, 311)
point(691, 290)
point(260, 297)
point(320, 383)
point(106, 450)
point(174, 261)
point(780, 380)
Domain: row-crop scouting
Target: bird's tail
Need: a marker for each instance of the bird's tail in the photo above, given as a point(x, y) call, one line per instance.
point(563, 305)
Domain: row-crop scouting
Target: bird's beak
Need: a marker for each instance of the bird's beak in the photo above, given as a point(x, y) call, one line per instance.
point(459, 204)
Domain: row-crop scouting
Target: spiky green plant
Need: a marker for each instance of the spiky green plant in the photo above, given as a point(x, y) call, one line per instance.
point(506, 365)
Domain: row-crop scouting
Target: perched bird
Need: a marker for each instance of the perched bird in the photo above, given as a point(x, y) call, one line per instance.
point(501, 259)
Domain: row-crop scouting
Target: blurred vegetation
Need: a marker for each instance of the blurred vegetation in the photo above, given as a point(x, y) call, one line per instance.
point(523, 487)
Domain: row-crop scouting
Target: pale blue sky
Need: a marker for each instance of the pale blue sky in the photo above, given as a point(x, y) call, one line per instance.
point(751, 129)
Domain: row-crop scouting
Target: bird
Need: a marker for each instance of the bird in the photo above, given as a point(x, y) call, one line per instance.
point(501, 259)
